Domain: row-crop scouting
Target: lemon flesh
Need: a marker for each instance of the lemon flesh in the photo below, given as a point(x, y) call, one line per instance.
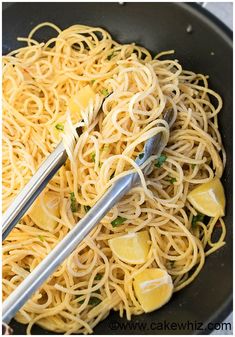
point(40, 217)
point(209, 198)
point(79, 102)
point(153, 288)
point(132, 248)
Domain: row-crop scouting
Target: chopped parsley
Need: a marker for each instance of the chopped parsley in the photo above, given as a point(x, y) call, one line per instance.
point(87, 208)
point(172, 180)
point(196, 218)
point(98, 277)
point(59, 127)
point(94, 301)
point(160, 160)
point(93, 156)
point(41, 237)
point(73, 203)
point(92, 81)
point(193, 166)
point(141, 155)
point(105, 92)
point(118, 221)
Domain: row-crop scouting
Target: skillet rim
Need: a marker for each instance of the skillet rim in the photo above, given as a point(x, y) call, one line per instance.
point(225, 32)
point(227, 35)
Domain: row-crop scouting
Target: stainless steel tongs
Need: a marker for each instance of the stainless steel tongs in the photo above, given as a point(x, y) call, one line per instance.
point(153, 146)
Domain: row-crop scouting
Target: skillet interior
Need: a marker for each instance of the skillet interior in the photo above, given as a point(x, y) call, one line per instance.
point(158, 26)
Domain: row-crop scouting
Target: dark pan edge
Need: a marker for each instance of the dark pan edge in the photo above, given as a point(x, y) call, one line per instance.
point(227, 34)
point(224, 31)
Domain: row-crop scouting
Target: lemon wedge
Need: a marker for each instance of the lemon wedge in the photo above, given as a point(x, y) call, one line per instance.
point(80, 102)
point(209, 198)
point(76, 103)
point(153, 288)
point(40, 217)
point(131, 248)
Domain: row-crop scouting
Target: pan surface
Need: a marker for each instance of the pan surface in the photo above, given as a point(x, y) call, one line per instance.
point(207, 49)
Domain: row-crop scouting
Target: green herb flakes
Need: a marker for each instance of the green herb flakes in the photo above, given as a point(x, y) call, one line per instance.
point(141, 155)
point(196, 218)
point(172, 180)
point(59, 127)
point(73, 202)
point(118, 221)
point(41, 237)
point(160, 160)
point(98, 277)
point(94, 301)
point(93, 156)
point(105, 92)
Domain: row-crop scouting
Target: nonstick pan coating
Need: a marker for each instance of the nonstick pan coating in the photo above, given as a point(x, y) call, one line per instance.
point(207, 49)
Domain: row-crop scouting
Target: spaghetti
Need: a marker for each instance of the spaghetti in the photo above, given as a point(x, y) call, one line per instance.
point(132, 91)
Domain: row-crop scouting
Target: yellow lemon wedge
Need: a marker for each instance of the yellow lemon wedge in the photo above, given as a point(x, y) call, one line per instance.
point(209, 198)
point(153, 288)
point(76, 104)
point(131, 248)
point(40, 217)
point(80, 102)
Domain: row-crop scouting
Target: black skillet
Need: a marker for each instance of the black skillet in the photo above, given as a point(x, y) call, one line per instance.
point(206, 48)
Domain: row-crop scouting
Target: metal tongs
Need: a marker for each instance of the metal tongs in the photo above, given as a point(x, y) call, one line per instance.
point(153, 146)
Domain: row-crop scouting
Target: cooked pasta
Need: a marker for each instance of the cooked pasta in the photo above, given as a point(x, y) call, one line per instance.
point(131, 92)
